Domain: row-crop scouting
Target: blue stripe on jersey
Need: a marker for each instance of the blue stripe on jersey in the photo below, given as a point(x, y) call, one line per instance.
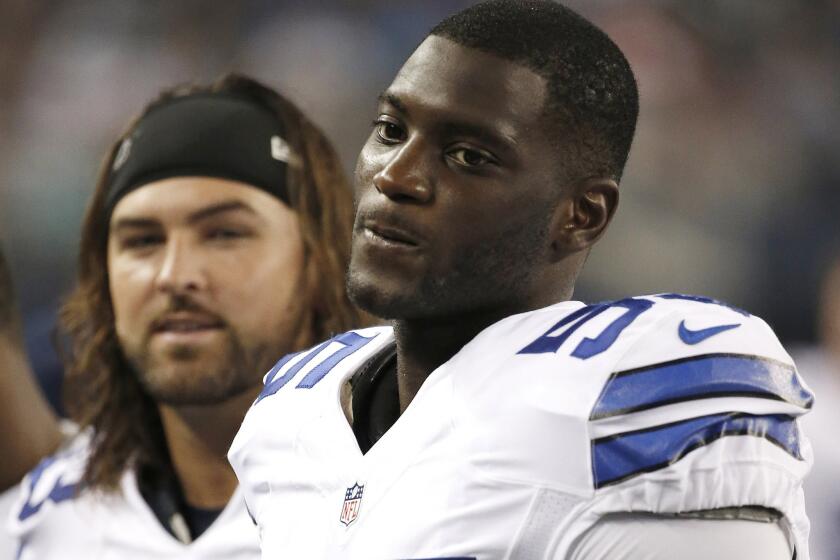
point(616, 458)
point(700, 377)
point(58, 493)
point(274, 383)
point(701, 299)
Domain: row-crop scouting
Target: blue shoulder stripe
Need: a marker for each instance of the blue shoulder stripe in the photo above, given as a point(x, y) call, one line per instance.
point(700, 377)
point(58, 493)
point(348, 343)
point(619, 457)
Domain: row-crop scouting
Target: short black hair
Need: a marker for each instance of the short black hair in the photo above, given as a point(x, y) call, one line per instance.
point(592, 96)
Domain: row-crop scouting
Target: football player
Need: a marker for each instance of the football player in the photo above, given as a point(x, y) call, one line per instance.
point(217, 237)
point(498, 418)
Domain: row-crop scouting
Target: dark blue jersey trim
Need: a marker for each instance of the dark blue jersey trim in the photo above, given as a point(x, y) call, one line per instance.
point(700, 377)
point(622, 456)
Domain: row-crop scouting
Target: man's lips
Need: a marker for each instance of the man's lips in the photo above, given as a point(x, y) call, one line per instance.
point(182, 322)
point(391, 234)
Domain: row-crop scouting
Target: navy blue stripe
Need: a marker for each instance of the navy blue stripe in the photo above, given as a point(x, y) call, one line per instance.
point(274, 383)
point(616, 458)
point(700, 377)
point(351, 342)
point(58, 493)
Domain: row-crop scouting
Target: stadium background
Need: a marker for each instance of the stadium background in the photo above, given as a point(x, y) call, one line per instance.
point(733, 185)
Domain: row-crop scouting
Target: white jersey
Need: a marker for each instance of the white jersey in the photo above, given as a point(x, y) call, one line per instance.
point(53, 520)
point(542, 424)
point(7, 544)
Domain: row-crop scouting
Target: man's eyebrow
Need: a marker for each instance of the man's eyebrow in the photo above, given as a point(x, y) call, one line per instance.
point(197, 216)
point(479, 131)
point(392, 100)
point(454, 128)
point(125, 223)
point(220, 208)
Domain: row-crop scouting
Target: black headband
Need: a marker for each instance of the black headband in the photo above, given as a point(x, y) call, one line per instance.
point(204, 135)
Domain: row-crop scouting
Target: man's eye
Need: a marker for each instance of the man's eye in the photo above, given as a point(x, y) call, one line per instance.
point(142, 241)
point(224, 234)
point(388, 132)
point(470, 157)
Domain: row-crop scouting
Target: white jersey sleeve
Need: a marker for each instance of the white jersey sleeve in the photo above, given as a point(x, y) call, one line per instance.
point(43, 506)
point(699, 413)
point(8, 545)
point(633, 536)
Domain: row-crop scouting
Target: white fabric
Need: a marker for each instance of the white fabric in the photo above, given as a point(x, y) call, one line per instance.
point(49, 521)
point(645, 537)
point(7, 543)
point(496, 456)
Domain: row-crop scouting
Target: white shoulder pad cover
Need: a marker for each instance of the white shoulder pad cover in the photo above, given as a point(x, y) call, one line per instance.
point(54, 481)
point(700, 413)
point(297, 391)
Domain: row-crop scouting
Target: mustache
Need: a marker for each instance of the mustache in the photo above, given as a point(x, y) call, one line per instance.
point(184, 304)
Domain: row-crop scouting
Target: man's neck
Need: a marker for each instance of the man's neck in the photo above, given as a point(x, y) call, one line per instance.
point(198, 438)
point(424, 345)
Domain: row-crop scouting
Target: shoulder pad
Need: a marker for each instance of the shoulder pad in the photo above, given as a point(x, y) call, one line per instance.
point(312, 365)
point(701, 372)
point(56, 479)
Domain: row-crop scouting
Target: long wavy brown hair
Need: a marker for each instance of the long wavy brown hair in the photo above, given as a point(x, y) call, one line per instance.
point(101, 391)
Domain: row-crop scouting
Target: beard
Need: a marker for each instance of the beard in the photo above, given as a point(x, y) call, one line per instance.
point(189, 375)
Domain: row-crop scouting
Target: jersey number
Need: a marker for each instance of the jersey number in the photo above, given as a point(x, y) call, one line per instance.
point(551, 341)
point(349, 342)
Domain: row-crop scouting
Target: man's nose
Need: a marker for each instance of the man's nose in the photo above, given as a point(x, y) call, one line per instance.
point(406, 174)
point(181, 269)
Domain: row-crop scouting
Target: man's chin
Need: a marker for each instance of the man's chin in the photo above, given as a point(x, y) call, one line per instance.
point(174, 353)
point(374, 297)
point(192, 386)
point(396, 302)
point(190, 376)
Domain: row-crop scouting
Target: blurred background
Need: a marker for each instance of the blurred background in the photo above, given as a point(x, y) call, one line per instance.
point(732, 190)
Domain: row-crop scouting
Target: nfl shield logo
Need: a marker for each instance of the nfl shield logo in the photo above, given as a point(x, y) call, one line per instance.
point(352, 503)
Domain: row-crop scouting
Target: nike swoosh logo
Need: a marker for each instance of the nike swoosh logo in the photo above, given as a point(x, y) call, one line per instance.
point(696, 337)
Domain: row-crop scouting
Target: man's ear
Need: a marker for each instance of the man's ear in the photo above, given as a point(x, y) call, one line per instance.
point(583, 215)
